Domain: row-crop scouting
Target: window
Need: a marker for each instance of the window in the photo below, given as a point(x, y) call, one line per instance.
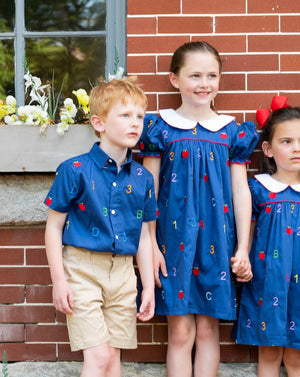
point(68, 42)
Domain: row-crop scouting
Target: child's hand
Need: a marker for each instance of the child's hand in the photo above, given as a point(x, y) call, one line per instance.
point(63, 297)
point(241, 268)
point(146, 311)
point(159, 263)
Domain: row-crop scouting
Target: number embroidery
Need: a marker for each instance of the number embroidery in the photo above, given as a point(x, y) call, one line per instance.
point(129, 187)
point(139, 171)
point(199, 152)
point(279, 205)
point(105, 211)
point(212, 249)
point(194, 132)
point(208, 296)
point(298, 231)
point(171, 156)
point(275, 299)
point(175, 224)
point(223, 275)
point(163, 247)
point(263, 326)
point(212, 157)
point(174, 271)
point(296, 278)
point(139, 214)
point(165, 133)
point(249, 323)
point(292, 327)
point(174, 178)
point(292, 208)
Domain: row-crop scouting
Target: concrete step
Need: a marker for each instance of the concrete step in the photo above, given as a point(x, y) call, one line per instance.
point(73, 369)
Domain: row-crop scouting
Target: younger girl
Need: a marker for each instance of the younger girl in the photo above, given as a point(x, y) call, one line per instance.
point(270, 306)
point(201, 182)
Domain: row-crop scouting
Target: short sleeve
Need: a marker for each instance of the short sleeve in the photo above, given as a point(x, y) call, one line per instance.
point(65, 188)
point(152, 142)
point(255, 208)
point(246, 139)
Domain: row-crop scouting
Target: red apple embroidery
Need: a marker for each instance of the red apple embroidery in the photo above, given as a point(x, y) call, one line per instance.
point(260, 301)
point(142, 146)
point(242, 134)
point(81, 206)
point(205, 178)
point(223, 135)
point(157, 213)
point(226, 208)
point(181, 246)
point(48, 201)
point(272, 195)
point(289, 230)
point(227, 162)
point(77, 163)
point(185, 154)
point(180, 294)
point(196, 271)
point(261, 255)
point(268, 209)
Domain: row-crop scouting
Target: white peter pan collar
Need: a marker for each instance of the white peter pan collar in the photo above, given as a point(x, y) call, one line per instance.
point(273, 185)
point(171, 117)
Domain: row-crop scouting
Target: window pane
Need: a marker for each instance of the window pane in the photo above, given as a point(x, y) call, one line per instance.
point(7, 16)
point(69, 15)
point(78, 62)
point(7, 75)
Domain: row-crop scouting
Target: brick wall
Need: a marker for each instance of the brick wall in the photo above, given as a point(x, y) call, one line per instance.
point(259, 42)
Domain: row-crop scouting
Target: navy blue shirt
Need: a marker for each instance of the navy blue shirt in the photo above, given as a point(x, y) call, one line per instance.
point(105, 208)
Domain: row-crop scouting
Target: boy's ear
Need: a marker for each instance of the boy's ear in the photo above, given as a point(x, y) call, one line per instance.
point(173, 79)
point(266, 147)
point(97, 123)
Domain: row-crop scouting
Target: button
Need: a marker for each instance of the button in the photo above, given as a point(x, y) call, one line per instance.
point(117, 237)
point(113, 211)
point(110, 160)
point(114, 184)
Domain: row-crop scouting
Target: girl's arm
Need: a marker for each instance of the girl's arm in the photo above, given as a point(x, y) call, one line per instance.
point(62, 293)
point(145, 264)
point(153, 165)
point(241, 195)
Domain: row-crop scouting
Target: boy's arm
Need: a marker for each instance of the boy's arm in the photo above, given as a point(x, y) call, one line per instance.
point(62, 293)
point(153, 165)
point(241, 195)
point(145, 264)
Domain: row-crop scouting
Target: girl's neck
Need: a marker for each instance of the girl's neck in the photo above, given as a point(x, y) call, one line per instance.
point(196, 113)
point(289, 178)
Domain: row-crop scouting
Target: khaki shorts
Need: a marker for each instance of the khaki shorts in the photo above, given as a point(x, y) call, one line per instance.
point(104, 289)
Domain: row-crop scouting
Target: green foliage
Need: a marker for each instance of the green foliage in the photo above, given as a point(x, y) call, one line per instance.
point(4, 365)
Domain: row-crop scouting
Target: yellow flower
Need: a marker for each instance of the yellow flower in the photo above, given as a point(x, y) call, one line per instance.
point(83, 99)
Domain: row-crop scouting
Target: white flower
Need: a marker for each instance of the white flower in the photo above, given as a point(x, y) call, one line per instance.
point(11, 101)
point(12, 119)
point(70, 107)
point(118, 75)
point(61, 128)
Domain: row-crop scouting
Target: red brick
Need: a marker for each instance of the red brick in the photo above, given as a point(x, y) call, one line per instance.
point(141, 64)
point(166, 101)
point(290, 62)
point(232, 353)
point(225, 333)
point(36, 257)
point(65, 353)
point(225, 44)
point(12, 333)
point(12, 295)
point(28, 352)
point(273, 81)
point(22, 236)
point(273, 6)
point(153, 7)
point(46, 333)
point(213, 6)
point(155, 353)
point(144, 333)
point(160, 333)
point(232, 82)
point(247, 24)
point(290, 24)
point(274, 43)
point(26, 314)
point(154, 44)
point(60, 317)
point(152, 102)
point(11, 256)
point(247, 63)
point(185, 25)
point(24, 275)
point(156, 83)
point(242, 101)
point(36, 294)
point(141, 25)
point(163, 63)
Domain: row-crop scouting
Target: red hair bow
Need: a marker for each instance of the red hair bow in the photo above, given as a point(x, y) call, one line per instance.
point(278, 102)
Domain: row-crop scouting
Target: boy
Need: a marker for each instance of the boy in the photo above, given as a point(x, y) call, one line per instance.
point(100, 203)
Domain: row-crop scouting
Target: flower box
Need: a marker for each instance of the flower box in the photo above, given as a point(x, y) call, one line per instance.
point(24, 149)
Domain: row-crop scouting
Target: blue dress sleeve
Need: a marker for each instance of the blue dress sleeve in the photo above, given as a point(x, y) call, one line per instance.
point(246, 139)
point(255, 207)
point(65, 188)
point(152, 142)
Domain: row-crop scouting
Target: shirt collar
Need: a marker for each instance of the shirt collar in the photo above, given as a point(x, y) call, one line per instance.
point(103, 160)
point(273, 185)
point(171, 117)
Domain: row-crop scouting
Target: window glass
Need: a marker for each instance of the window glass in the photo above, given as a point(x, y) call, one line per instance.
point(75, 15)
point(7, 16)
point(7, 73)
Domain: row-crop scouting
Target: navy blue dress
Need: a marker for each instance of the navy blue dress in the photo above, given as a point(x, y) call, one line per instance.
point(196, 229)
point(270, 304)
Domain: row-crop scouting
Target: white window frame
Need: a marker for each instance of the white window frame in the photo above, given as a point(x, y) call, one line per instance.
point(115, 34)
